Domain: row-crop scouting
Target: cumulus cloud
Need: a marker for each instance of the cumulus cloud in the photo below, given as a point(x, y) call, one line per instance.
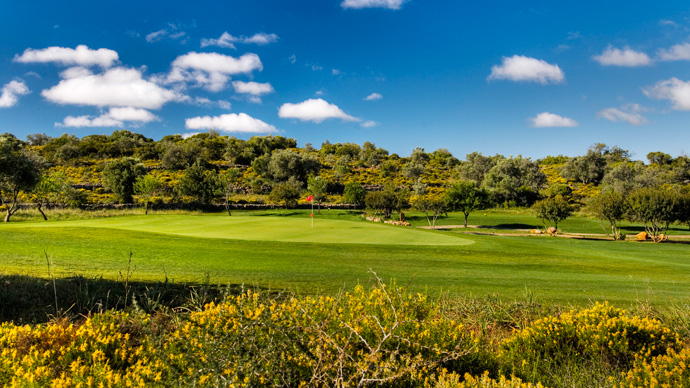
point(626, 57)
point(228, 41)
point(315, 110)
point(629, 113)
point(521, 68)
point(373, 97)
point(11, 92)
point(674, 90)
point(81, 56)
point(358, 4)
point(679, 52)
point(116, 117)
point(253, 88)
point(118, 87)
point(230, 122)
point(547, 120)
point(211, 70)
point(368, 124)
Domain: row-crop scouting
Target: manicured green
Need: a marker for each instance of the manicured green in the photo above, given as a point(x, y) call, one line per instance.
point(275, 252)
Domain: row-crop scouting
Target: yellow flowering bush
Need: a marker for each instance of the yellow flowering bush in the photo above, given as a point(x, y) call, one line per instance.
point(452, 380)
point(669, 370)
point(602, 333)
point(372, 336)
point(100, 352)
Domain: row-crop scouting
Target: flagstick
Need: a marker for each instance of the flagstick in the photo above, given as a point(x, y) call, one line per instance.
point(312, 213)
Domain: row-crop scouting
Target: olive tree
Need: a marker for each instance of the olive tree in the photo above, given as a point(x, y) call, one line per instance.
point(466, 197)
point(317, 187)
point(354, 193)
point(610, 206)
point(228, 185)
point(655, 208)
point(553, 210)
point(120, 175)
point(386, 201)
point(200, 182)
point(287, 192)
point(52, 188)
point(19, 171)
point(146, 187)
point(432, 205)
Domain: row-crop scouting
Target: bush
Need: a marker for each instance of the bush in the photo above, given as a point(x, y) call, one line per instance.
point(601, 335)
point(452, 380)
point(670, 370)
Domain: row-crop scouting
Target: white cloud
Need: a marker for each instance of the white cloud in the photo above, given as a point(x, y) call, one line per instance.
point(115, 87)
point(358, 4)
point(521, 68)
point(224, 104)
point(116, 117)
point(230, 122)
point(369, 124)
point(626, 57)
point(547, 120)
point(373, 97)
point(228, 41)
point(316, 110)
point(253, 88)
point(629, 113)
point(335, 72)
point(292, 59)
point(679, 52)
point(81, 56)
point(674, 90)
point(211, 70)
point(156, 36)
point(11, 92)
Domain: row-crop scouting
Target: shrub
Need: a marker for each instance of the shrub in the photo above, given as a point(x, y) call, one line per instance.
point(452, 380)
point(670, 370)
point(601, 335)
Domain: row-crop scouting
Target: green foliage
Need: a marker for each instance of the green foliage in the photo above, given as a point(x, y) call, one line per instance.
point(317, 187)
point(514, 181)
point(466, 197)
point(146, 187)
point(386, 201)
point(602, 335)
point(354, 193)
point(610, 206)
point(287, 192)
point(199, 182)
point(553, 210)
point(432, 205)
point(655, 208)
point(19, 171)
point(120, 175)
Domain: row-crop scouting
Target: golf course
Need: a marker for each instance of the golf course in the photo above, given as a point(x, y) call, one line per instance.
point(281, 250)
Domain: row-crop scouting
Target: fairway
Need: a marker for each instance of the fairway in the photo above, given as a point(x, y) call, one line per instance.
point(266, 228)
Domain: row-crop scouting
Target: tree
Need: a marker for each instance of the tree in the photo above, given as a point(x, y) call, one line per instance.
point(228, 182)
point(317, 187)
point(386, 201)
point(199, 182)
point(476, 166)
point(19, 171)
point(432, 205)
point(287, 192)
point(552, 210)
point(146, 187)
point(119, 176)
point(683, 208)
point(655, 208)
point(355, 194)
point(53, 187)
point(285, 164)
point(610, 206)
point(466, 197)
point(514, 181)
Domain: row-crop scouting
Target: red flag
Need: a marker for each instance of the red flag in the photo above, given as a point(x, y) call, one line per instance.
point(311, 215)
point(310, 198)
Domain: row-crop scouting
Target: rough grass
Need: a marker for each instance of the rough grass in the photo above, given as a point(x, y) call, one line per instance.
point(554, 270)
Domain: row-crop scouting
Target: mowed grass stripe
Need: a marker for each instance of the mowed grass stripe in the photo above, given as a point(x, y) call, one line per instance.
point(554, 269)
point(265, 228)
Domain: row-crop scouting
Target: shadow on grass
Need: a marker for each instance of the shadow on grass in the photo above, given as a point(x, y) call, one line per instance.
point(509, 226)
point(25, 299)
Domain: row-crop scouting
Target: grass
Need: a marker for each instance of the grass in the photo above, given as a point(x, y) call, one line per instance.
point(279, 250)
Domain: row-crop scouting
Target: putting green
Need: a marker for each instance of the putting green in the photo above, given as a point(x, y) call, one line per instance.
point(266, 228)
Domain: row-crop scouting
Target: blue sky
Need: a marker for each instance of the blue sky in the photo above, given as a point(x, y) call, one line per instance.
point(538, 79)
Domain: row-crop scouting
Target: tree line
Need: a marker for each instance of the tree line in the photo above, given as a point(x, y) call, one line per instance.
point(207, 168)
